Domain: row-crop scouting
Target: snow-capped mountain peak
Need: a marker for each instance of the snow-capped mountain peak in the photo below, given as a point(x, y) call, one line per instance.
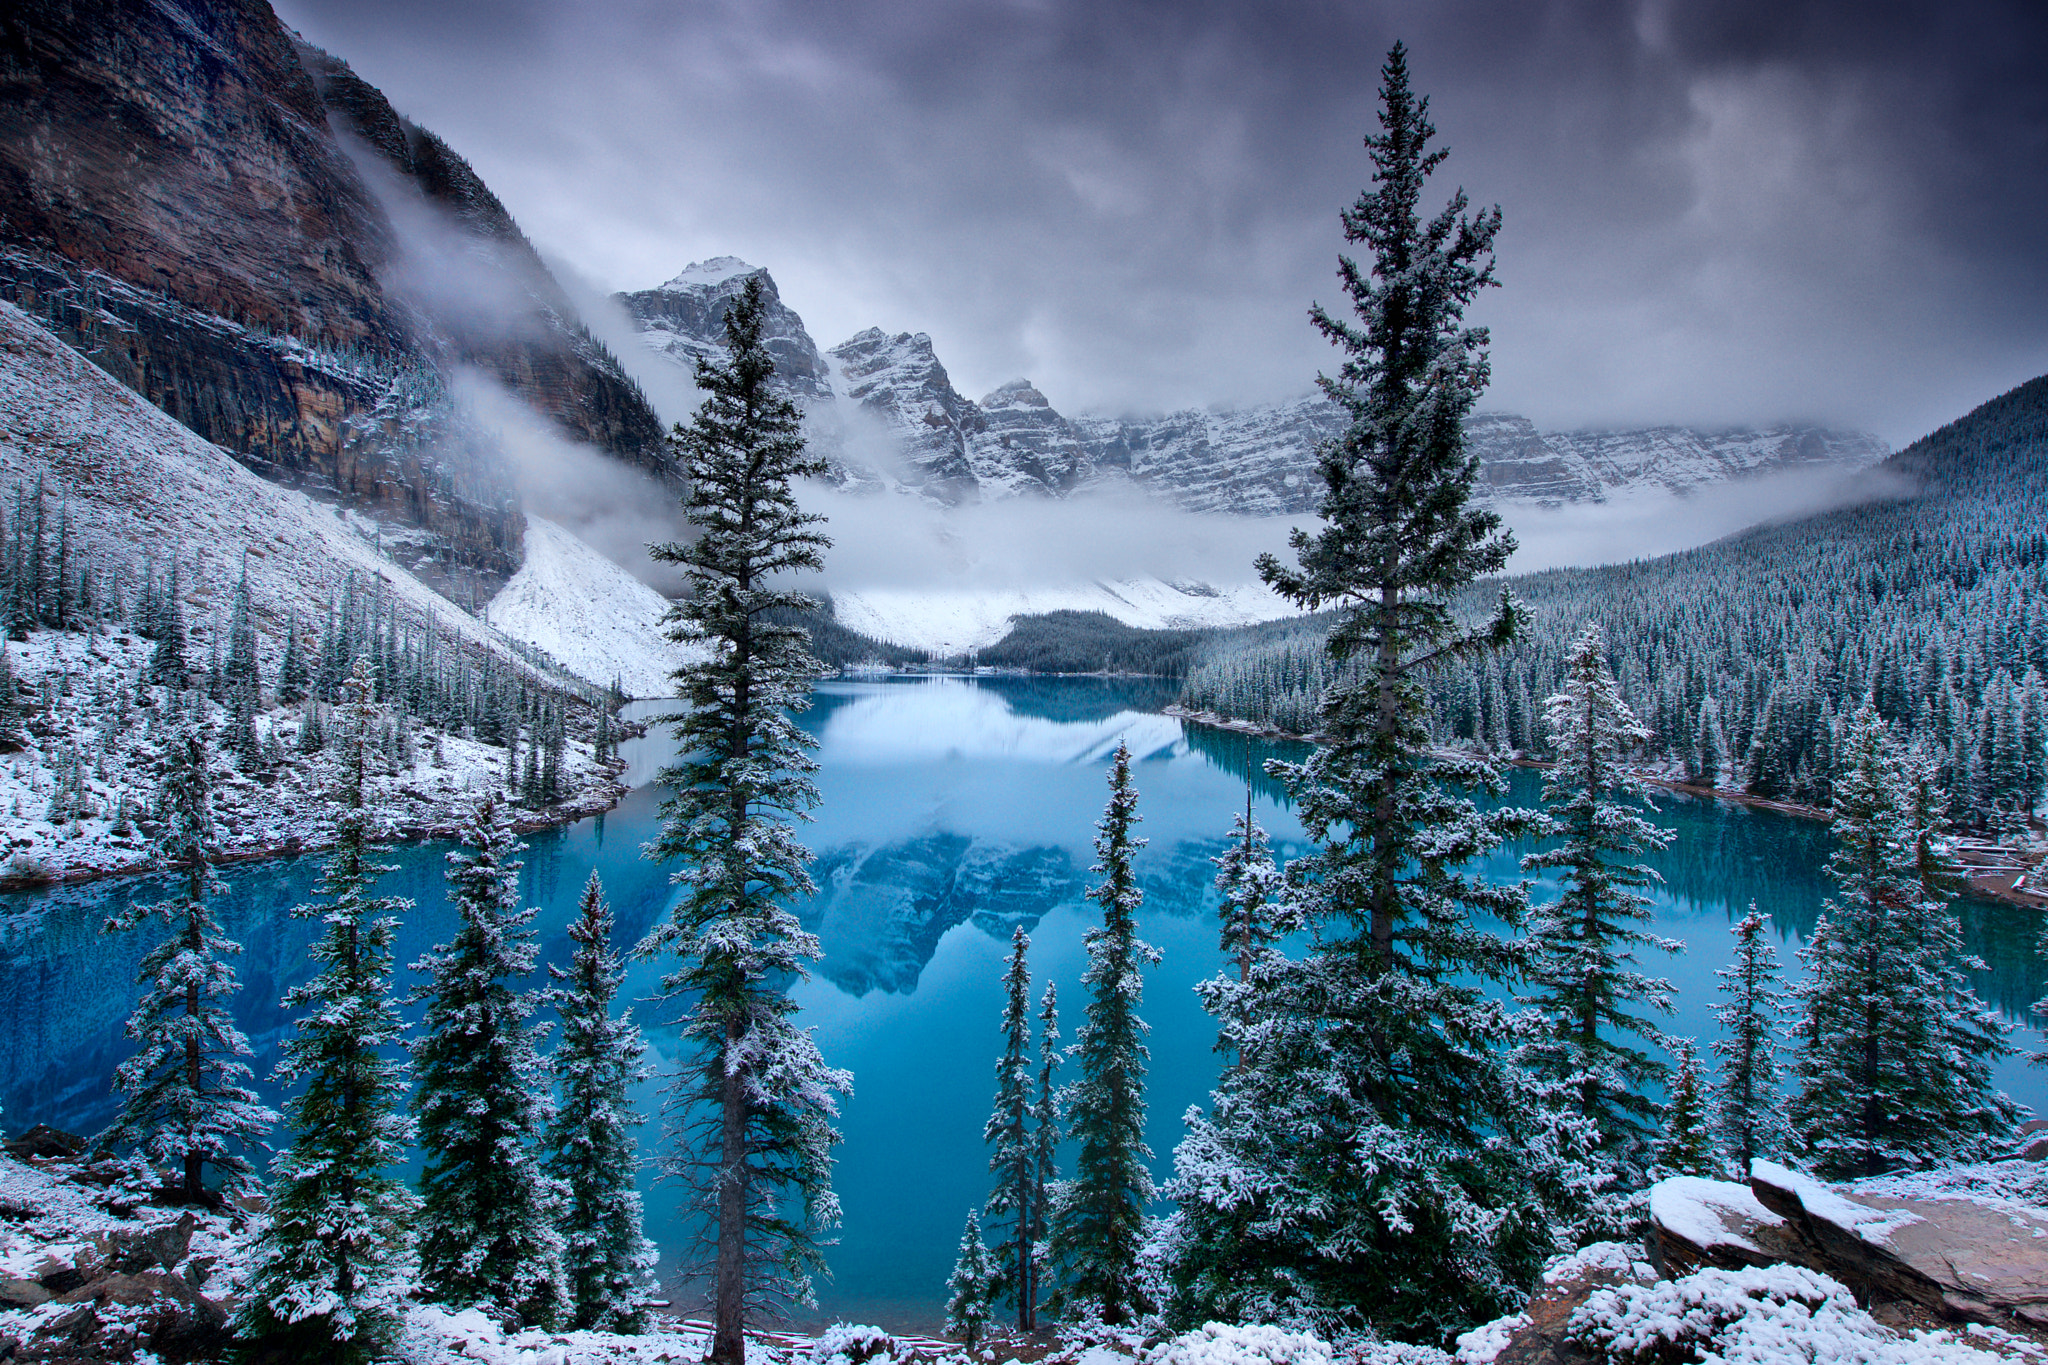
point(717, 270)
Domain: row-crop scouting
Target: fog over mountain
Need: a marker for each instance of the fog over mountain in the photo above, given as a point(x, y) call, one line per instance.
point(1716, 213)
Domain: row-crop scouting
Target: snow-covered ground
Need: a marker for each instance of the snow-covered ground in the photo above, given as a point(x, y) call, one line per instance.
point(590, 615)
point(141, 488)
point(98, 725)
point(951, 621)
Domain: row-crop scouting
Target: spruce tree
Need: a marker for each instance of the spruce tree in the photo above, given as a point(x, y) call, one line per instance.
point(1749, 1114)
point(167, 660)
point(1099, 1224)
point(1687, 1148)
point(1893, 1066)
point(1588, 993)
point(971, 1288)
point(1404, 1173)
point(486, 1222)
point(1254, 911)
point(607, 1262)
point(330, 1273)
point(755, 1101)
point(1014, 1162)
point(292, 674)
point(188, 1104)
point(241, 688)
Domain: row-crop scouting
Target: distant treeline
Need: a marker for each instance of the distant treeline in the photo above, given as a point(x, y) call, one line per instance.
point(1093, 642)
point(1746, 657)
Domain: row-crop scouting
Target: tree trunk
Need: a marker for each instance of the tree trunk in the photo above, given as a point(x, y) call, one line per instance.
point(728, 1334)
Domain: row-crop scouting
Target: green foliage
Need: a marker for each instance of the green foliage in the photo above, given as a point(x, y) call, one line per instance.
point(1687, 1147)
point(607, 1261)
point(971, 1289)
point(329, 1274)
point(486, 1220)
point(1091, 642)
point(187, 1103)
point(753, 1104)
point(1374, 1159)
point(1014, 1163)
point(1098, 1221)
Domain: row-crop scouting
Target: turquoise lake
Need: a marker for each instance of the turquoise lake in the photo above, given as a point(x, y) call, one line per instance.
point(954, 810)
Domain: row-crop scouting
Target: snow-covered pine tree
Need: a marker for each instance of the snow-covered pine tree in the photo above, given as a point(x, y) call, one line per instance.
point(167, 660)
point(486, 1220)
point(971, 1288)
point(1749, 1113)
point(1892, 1067)
point(330, 1273)
point(188, 1105)
point(1687, 1147)
point(752, 1135)
point(1014, 1162)
point(607, 1261)
point(1405, 1174)
point(292, 673)
point(1583, 946)
point(1253, 911)
point(1099, 1224)
point(241, 688)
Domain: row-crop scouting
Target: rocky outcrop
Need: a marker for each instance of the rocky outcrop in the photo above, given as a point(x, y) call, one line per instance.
point(1973, 1257)
point(1254, 461)
point(685, 319)
point(195, 200)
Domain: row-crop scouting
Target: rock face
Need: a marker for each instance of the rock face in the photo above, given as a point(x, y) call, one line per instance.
point(1256, 461)
point(204, 206)
point(685, 319)
point(1969, 1257)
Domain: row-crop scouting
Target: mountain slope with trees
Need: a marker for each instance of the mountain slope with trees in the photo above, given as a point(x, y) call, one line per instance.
point(1747, 657)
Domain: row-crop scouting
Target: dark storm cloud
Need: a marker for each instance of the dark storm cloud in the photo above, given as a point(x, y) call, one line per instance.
point(1715, 211)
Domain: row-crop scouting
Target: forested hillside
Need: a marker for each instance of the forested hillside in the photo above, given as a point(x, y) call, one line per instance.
point(1747, 655)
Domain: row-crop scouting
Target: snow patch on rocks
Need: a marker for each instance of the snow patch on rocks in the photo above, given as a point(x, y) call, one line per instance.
point(1764, 1315)
point(1699, 1210)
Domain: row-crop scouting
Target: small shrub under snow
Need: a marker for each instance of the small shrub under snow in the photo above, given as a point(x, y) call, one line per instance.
point(1219, 1343)
point(1764, 1316)
point(847, 1344)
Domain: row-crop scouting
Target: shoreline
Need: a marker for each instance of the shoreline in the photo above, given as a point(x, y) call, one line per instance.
point(1996, 885)
point(598, 800)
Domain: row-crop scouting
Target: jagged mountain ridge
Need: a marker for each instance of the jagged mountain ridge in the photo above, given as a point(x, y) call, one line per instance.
point(1253, 461)
point(209, 209)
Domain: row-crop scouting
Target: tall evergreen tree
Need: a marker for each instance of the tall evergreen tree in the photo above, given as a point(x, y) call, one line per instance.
point(1405, 1174)
point(1749, 1115)
point(241, 687)
point(188, 1104)
point(1099, 1223)
point(1014, 1162)
point(755, 1103)
point(486, 1222)
point(292, 673)
point(331, 1271)
point(607, 1260)
point(1893, 1067)
point(1588, 992)
point(167, 660)
point(1254, 910)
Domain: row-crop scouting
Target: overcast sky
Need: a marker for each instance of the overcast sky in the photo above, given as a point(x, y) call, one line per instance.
point(1717, 211)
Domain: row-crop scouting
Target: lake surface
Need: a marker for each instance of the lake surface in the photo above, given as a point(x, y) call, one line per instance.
point(953, 811)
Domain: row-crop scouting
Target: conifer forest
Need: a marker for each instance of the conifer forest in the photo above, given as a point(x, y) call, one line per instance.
point(494, 871)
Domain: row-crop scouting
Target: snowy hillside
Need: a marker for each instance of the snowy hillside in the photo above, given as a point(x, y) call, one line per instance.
point(141, 489)
point(590, 615)
point(954, 621)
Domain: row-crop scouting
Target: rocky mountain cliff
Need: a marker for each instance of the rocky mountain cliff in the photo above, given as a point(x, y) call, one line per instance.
point(238, 228)
point(887, 414)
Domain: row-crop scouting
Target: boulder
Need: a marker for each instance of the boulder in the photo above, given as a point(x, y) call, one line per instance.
point(1537, 1335)
point(1976, 1258)
point(21, 1293)
point(1695, 1223)
point(45, 1141)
